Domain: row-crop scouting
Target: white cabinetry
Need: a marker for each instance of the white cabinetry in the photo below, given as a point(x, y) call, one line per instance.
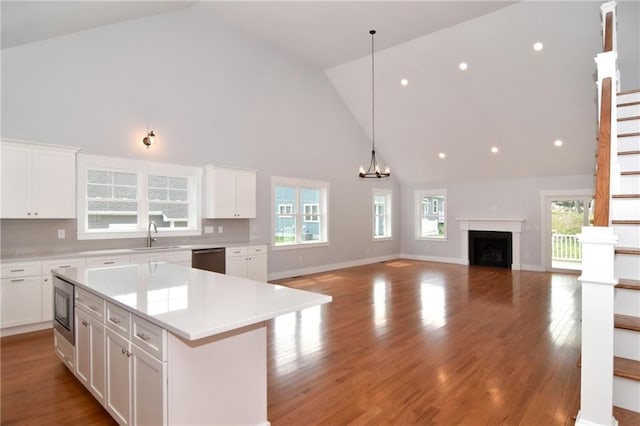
point(136, 369)
point(38, 181)
point(247, 262)
point(90, 341)
point(118, 397)
point(21, 294)
point(230, 193)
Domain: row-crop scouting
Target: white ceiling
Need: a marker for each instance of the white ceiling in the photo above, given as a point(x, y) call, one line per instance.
point(511, 97)
point(322, 33)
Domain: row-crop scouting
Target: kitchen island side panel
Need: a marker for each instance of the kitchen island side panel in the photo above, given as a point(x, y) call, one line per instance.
point(220, 379)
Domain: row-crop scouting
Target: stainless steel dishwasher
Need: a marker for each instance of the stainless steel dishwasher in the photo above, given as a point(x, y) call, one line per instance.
point(211, 259)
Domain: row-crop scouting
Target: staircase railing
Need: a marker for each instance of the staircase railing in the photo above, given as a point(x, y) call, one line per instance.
point(598, 245)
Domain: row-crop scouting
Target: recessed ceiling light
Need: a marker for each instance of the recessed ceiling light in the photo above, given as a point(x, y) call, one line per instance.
point(558, 142)
point(494, 149)
point(463, 66)
point(442, 155)
point(404, 82)
point(537, 46)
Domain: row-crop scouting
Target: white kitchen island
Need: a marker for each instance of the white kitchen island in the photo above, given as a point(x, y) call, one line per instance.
point(177, 345)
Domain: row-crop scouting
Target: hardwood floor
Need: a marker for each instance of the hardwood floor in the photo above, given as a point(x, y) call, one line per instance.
point(403, 342)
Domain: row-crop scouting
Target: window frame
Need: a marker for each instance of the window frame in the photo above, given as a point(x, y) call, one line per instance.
point(142, 170)
point(388, 196)
point(322, 213)
point(420, 208)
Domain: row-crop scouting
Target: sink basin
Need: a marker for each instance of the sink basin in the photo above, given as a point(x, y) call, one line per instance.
point(155, 248)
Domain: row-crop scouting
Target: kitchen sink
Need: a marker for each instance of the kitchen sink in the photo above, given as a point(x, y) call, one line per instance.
point(155, 248)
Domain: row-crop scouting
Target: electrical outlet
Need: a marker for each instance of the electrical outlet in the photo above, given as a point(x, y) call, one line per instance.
point(220, 229)
point(208, 229)
point(61, 234)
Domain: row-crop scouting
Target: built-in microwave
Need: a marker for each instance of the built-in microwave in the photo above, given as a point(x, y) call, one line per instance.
point(63, 303)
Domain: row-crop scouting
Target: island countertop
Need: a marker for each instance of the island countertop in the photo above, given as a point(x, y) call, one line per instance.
point(190, 303)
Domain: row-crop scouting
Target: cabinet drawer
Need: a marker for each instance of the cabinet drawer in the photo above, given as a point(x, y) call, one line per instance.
point(236, 251)
point(48, 265)
point(146, 257)
point(64, 350)
point(90, 303)
point(118, 320)
point(108, 261)
point(21, 269)
point(257, 250)
point(149, 337)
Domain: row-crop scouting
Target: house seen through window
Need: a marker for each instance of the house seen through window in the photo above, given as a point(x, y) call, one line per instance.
point(299, 212)
point(431, 214)
point(381, 214)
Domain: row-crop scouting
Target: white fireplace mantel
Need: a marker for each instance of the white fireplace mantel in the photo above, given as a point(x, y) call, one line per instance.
point(502, 225)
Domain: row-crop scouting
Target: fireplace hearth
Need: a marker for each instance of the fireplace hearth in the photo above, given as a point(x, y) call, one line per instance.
point(490, 248)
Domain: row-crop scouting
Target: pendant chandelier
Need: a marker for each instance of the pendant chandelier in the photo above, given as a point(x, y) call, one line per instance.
point(374, 170)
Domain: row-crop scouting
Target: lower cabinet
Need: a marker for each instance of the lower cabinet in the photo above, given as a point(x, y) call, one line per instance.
point(247, 262)
point(90, 365)
point(136, 383)
point(149, 390)
point(118, 397)
point(21, 301)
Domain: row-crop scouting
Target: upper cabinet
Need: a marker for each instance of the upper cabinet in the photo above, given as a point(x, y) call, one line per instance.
point(230, 193)
point(38, 181)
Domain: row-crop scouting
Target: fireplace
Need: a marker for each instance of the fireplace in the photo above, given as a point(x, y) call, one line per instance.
point(513, 226)
point(490, 248)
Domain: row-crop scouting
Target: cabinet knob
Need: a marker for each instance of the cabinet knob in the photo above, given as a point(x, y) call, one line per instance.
point(28, 213)
point(115, 320)
point(85, 323)
point(36, 213)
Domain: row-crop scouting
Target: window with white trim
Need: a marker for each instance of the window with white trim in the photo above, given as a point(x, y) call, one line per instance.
point(119, 198)
point(431, 215)
point(381, 214)
point(299, 212)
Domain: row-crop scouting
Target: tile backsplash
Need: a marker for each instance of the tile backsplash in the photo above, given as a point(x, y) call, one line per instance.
point(39, 237)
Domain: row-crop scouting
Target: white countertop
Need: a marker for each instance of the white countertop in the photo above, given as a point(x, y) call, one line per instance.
point(190, 303)
point(26, 257)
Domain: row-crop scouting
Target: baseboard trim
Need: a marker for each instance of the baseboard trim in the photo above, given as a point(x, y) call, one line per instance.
point(340, 265)
point(330, 267)
point(11, 331)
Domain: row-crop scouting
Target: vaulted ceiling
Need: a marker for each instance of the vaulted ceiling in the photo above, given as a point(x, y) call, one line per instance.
point(510, 97)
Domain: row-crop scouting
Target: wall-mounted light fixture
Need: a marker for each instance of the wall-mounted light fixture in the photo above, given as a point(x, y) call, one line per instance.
point(149, 139)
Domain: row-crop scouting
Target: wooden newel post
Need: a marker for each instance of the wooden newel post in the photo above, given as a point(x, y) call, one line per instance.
point(598, 282)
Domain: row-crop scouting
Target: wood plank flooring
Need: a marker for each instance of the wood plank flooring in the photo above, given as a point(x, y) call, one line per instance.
point(403, 342)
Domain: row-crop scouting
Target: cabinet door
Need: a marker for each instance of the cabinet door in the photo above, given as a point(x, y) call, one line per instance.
point(21, 301)
point(118, 395)
point(245, 194)
point(47, 298)
point(97, 378)
point(16, 182)
point(236, 266)
point(149, 389)
point(83, 347)
point(257, 267)
point(54, 184)
point(221, 193)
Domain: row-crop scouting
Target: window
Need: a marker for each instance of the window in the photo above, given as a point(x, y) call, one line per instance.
point(381, 214)
point(285, 209)
point(300, 212)
point(118, 198)
point(431, 214)
point(311, 212)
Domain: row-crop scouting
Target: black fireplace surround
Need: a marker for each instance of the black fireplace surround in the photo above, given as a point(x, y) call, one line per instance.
point(490, 248)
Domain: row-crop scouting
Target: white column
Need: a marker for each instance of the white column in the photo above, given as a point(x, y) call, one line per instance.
point(598, 282)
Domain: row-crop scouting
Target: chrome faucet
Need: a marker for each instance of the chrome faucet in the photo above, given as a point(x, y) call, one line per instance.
point(150, 240)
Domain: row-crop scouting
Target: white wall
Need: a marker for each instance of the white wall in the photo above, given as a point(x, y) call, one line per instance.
point(211, 96)
point(628, 13)
point(491, 199)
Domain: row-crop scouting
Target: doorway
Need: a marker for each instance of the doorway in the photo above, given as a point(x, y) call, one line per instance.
point(565, 215)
